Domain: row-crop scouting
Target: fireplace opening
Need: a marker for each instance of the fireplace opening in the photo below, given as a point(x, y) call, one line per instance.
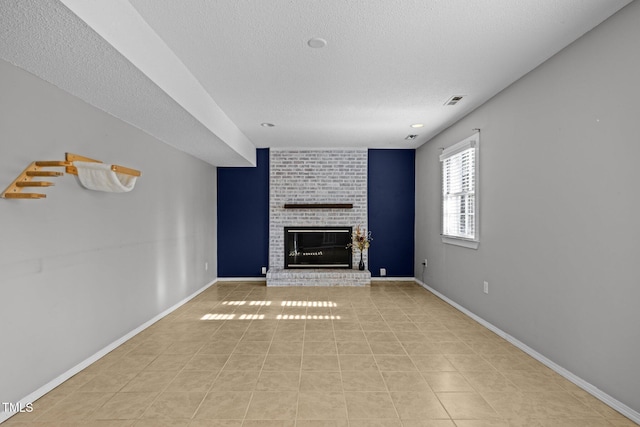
point(317, 247)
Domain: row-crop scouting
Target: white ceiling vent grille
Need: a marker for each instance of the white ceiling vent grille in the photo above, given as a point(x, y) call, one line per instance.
point(453, 100)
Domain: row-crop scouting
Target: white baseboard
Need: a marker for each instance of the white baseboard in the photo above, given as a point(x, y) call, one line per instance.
point(242, 279)
point(392, 279)
point(93, 358)
point(586, 386)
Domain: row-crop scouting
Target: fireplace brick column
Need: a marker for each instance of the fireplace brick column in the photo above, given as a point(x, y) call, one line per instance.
point(315, 176)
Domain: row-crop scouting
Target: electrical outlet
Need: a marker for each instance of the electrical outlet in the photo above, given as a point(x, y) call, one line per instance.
point(486, 287)
point(206, 266)
point(383, 272)
point(264, 270)
point(424, 263)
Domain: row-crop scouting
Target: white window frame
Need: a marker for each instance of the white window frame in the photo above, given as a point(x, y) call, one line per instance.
point(472, 142)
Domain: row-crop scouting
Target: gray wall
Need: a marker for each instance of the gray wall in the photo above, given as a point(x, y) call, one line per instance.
point(81, 268)
point(559, 210)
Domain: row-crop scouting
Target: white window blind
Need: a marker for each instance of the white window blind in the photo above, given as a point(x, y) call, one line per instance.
point(459, 191)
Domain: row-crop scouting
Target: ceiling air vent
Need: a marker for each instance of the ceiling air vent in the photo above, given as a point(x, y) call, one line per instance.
point(453, 100)
point(411, 137)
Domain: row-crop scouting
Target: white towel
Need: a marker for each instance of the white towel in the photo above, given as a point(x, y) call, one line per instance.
point(100, 177)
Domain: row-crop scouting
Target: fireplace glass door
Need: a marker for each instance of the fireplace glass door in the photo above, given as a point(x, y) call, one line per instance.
point(317, 247)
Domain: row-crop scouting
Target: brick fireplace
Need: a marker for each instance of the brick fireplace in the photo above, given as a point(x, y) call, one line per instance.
point(312, 177)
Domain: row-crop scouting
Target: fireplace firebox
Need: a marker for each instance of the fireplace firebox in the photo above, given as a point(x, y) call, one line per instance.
point(317, 247)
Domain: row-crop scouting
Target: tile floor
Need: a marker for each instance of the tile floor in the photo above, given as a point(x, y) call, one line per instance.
point(390, 355)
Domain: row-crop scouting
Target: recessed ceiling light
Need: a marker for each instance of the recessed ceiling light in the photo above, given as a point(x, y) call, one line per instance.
point(417, 125)
point(317, 43)
point(267, 125)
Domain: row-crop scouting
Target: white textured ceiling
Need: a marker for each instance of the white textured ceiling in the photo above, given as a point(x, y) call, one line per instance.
point(202, 75)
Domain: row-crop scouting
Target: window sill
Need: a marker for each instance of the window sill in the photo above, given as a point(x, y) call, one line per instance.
point(471, 244)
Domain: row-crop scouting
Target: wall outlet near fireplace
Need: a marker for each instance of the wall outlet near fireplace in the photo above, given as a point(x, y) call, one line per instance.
point(206, 266)
point(264, 270)
point(383, 272)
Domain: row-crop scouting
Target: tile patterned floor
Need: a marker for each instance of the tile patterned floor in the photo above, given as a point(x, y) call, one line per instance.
point(391, 355)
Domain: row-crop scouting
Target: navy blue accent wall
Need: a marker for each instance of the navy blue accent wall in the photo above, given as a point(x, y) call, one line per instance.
point(243, 219)
point(243, 215)
point(391, 201)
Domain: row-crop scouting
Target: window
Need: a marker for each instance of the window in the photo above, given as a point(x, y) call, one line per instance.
point(459, 193)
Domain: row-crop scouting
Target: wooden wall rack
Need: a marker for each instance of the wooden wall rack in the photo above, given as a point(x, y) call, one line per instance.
point(25, 179)
point(35, 170)
point(70, 157)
